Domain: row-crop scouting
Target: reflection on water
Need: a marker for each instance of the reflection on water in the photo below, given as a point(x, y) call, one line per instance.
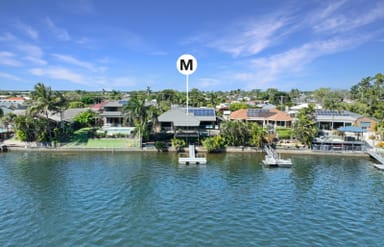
point(146, 199)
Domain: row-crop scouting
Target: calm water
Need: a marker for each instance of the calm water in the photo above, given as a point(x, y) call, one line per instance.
point(146, 199)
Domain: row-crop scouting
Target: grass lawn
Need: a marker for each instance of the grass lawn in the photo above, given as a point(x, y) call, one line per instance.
point(284, 133)
point(80, 140)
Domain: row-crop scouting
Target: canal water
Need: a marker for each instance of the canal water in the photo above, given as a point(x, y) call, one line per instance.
point(146, 199)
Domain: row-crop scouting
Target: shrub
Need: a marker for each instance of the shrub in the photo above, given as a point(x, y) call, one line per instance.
point(214, 144)
point(178, 144)
point(160, 146)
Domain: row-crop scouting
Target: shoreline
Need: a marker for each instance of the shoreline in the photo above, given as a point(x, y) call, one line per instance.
point(19, 148)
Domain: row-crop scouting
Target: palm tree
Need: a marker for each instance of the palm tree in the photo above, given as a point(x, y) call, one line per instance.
point(257, 134)
point(332, 102)
point(140, 113)
point(305, 126)
point(44, 101)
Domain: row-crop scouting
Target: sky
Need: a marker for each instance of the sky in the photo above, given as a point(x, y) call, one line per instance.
point(238, 44)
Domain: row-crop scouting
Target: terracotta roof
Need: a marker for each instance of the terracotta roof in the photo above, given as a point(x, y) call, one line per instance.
point(258, 114)
point(279, 116)
point(239, 115)
point(15, 99)
point(99, 105)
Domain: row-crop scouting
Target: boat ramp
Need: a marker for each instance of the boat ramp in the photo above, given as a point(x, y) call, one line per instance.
point(372, 152)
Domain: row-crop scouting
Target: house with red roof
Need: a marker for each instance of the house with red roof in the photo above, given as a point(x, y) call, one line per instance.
point(264, 117)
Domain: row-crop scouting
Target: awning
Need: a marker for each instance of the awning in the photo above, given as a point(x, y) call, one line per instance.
point(353, 129)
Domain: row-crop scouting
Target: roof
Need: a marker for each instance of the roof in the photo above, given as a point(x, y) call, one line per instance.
point(239, 115)
point(68, 115)
point(279, 116)
point(98, 106)
point(179, 116)
point(260, 114)
point(113, 104)
point(14, 99)
point(333, 116)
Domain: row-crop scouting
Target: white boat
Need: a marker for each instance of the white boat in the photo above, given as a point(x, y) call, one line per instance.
point(192, 158)
point(272, 159)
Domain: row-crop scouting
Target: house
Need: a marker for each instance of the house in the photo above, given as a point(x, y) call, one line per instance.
point(264, 117)
point(98, 107)
point(330, 119)
point(195, 122)
point(112, 114)
point(67, 115)
point(367, 124)
point(13, 103)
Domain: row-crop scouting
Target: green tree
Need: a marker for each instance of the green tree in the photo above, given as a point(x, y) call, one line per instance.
point(140, 114)
point(44, 101)
point(196, 98)
point(257, 135)
point(305, 127)
point(85, 119)
point(8, 119)
point(333, 102)
point(214, 144)
point(237, 106)
point(87, 100)
point(76, 104)
point(235, 133)
point(178, 144)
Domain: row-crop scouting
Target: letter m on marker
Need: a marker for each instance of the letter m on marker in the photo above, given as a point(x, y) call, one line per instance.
point(186, 66)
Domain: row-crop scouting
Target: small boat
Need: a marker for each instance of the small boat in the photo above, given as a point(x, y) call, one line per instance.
point(272, 159)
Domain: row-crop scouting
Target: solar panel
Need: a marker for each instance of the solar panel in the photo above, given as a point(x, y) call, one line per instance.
point(202, 112)
point(257, 112)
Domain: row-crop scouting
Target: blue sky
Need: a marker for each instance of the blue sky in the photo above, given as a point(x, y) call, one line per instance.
point(239, 44)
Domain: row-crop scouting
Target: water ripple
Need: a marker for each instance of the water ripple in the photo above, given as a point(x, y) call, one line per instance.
point(147, 200)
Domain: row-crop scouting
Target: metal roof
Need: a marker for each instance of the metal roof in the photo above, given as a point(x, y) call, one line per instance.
point(334, 116)
point(179, 116)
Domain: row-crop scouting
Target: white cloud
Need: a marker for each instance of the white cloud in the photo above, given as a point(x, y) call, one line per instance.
point(60, 33)
point(74, 61)
point(27, 30)
point(60, 74)
point(32, 53)
point(343, 21)
point(9, 76)
point(7, 37)
point(35, 60)
point(9, 59)
point(30, 50)
point(269, 69)
point(246, 38)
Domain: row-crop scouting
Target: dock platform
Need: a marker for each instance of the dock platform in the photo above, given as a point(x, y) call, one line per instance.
point(192, 158)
